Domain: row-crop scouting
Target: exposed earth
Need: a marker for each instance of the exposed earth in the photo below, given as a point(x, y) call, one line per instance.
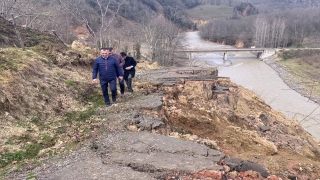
point(180, 123)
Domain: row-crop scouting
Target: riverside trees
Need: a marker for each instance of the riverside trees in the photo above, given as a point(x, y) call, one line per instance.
point(269, 34)
point(280, 29)
point(162, 38)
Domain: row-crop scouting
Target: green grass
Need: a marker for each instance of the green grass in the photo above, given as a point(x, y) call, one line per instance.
point(61, 130)
point(304, 74)
point(7, 64)
point(209, 12)
point(69, 82)
point(80, 116)
point(35, 120)
point(86, 130)
point(8, 158)
point(31, 175)
point(31, 145)
point(13, 59)
point(71, 146)
point(30, 152)
point(47, 92)
point(48, 141)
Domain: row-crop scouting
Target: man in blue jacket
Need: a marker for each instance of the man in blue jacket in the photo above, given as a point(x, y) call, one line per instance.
point(108, 69)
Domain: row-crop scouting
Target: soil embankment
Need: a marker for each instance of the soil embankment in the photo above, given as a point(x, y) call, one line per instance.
point(184, 123)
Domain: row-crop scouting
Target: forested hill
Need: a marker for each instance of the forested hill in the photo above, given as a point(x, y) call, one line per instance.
point(127, 24)
point(287, 3)
point(64, 15)
point(275, 24)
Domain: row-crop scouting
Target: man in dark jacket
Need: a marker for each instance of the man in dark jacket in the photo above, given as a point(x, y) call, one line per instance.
point(109, 70)
point(129, 71)
point(121, 63)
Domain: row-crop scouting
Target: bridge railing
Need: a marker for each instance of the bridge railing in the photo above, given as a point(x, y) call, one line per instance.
point(261, 52)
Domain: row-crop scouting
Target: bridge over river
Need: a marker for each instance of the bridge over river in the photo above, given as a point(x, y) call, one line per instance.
point(261, 52)
point(257, 76)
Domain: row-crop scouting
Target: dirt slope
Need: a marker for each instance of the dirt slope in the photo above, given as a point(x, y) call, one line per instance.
point(176, 119)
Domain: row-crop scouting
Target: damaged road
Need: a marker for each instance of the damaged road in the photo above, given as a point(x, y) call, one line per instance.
point(186, 123)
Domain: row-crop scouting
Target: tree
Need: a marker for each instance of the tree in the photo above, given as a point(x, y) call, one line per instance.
point(162, 38)
point(105, 18)
point(25, 12)
point(6, 8)
point(137, 52)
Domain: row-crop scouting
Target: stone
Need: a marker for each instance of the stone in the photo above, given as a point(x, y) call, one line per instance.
point(265, 128)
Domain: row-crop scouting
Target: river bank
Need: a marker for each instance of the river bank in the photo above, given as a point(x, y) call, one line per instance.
point(291, 80)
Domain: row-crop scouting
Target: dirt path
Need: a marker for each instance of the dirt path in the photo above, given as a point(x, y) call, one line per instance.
point(185, 123)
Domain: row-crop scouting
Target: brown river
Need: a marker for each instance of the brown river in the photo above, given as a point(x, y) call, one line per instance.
point(250, 72)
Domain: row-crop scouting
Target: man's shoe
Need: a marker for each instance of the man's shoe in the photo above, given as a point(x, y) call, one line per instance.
point(108, 104)
point(114, 99)
point(130, 90)
point(122, 95)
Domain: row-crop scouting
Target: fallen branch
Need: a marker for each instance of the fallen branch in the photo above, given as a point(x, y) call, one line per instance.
point(18, 33)
point(59, 38)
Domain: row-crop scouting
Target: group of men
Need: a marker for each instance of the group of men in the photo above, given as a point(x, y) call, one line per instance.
point(110, 66)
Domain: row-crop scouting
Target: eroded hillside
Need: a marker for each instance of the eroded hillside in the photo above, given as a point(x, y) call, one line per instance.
point(41, 90)
point(241, 123)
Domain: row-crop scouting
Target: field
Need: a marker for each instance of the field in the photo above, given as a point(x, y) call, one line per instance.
point(304, 71)
point(208, 12)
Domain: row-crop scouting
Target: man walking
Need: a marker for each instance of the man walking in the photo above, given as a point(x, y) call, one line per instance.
point(129, 70)
point(108, 69)
point(121, 63)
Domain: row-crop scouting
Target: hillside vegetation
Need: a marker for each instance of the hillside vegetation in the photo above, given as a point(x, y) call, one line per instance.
point(209, 12)
point(280, 29)
point(44, 93)
point(303, 67)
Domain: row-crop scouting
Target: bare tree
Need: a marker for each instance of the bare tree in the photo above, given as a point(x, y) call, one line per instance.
point(162, 37)
point(105, 19)
point(6, 7)
point(25, 12)
point(268, 34)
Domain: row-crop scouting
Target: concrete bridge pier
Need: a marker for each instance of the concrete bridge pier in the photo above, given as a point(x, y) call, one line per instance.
point(266, 53)
point(189, 56)
point(259, 55)
point(225, 56)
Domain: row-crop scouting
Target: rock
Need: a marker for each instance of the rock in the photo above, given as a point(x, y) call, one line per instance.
point(264, 119)
point(157, 153)
point(144, 123)
point(248, 165)
point(13, 169)
point(242, 166)
point(265, 128)
point(233, 162)
point(152, 102)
